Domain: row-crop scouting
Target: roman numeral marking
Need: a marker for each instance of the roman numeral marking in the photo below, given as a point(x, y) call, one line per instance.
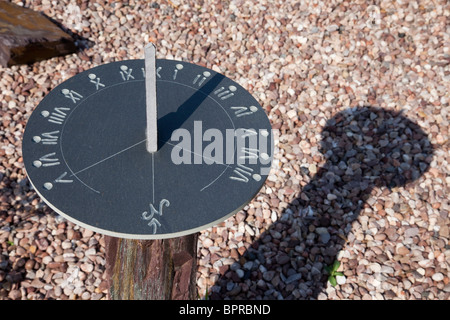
point(46, 161)
point(126, 73)
point(251, 153)
point(61, 180)
point(49, 185)
point(154, 223)
point(93, 79)
point(244, 111)
point(201, 78)
point(47, 138)
point(248, 133)
point(157, 72)
point(72, 95)
point(224, 93)
point(57, 116)
point(243, 173)
point(178, 67)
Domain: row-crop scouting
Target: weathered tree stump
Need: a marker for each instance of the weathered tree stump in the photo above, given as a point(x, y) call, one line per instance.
point(152, 269)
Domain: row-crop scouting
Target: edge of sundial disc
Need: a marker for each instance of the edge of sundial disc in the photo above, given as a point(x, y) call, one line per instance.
point(61, 111)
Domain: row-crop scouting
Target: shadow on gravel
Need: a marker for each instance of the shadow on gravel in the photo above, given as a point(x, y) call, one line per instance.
point(366, 148)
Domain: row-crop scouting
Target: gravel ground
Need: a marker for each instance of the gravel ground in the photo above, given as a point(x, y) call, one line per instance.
point(358, 96)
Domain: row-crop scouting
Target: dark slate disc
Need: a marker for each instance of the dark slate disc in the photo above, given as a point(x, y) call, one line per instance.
point(84, 150)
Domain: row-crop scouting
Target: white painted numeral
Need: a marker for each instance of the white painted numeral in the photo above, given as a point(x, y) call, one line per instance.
point(224, 93)
point(61, 180)
point(93, 79)
point(244, 111)
point(157, 72)
point(72, 95)
point(154, 223)
point(242, 174)
point(178, 67)
point(46, 161)
point(47, 138)
point(126, 73)
point(200, 78)
point(249, 153)
point(57, 116)
point(252, 153)
point(248, 133)
point(49, 185)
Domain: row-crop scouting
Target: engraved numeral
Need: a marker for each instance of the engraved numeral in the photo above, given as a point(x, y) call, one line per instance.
point(224, 93)
point(178, 67)
point(247, 133)
point(200, 78)
point(93, 79)
point(49, 185)
point(249, 153)
point(47, 138)
point(46, 161)
point(61, 180)
point(72, 95)
point(57, 116)
point(252, 153)
point(154, 223)
point(126, 73)
point(157, 72)
point(242, 174)
point(244, 111)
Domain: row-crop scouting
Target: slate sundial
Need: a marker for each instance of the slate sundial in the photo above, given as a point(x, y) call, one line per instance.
point(106, 152)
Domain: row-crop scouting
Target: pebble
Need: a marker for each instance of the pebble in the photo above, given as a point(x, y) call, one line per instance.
point(437, 276)
point(411, 232)
point(341, 280)
point(324, 235)
point(293, 277)
point(312, 168)
point(375, 267)
point(15, 294)
point(387, 269)
point(283, 259)
point(363, 185)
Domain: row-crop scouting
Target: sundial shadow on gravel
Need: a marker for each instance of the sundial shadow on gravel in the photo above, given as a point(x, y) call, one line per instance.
point(366, 149)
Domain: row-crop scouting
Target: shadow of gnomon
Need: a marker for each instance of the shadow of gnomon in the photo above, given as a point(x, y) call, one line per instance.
point(365, 148)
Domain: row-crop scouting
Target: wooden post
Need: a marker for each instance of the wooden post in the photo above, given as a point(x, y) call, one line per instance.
point(152, 269)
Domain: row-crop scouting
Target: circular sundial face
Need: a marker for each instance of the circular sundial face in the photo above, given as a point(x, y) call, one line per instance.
point(84, 150)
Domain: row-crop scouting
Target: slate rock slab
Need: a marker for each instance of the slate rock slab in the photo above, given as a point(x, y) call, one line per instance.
point(27, 36)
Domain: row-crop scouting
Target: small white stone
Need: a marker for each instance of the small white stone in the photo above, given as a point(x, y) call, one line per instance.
point(302, 40)
point(375, 267)
point(249, 230)
point(331, 196)
point(207, 243)
point(274, 216)
point(437, 276)
point(329, 97)
point(9, 150)
point(341, 279)
point(292, 113)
